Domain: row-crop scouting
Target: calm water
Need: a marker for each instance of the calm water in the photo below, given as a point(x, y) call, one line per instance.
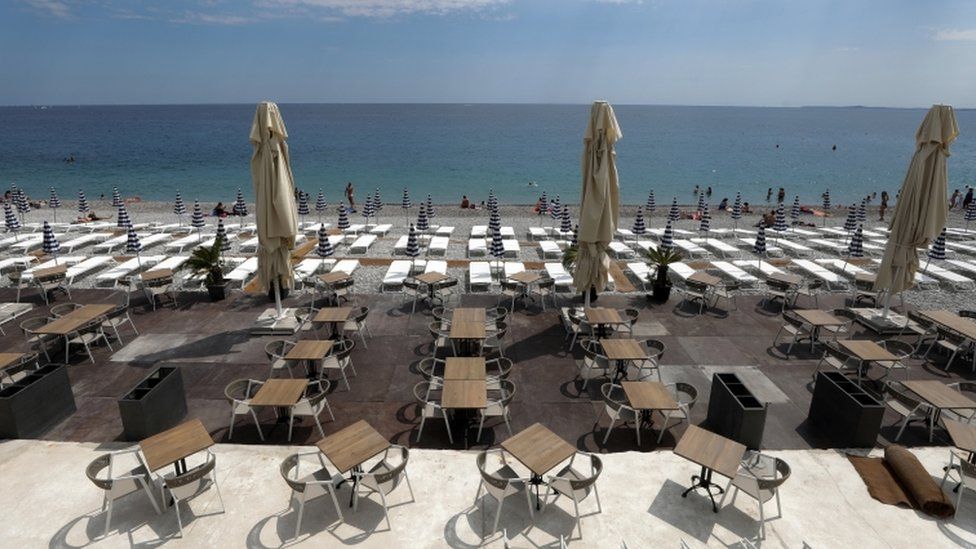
point(450, 150)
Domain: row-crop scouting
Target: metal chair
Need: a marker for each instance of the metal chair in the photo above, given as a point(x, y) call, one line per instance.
point(37, 341)
point(760, 477)
point(692, 294)
point(311, 483)
point(512, 291)
point(412, 288)
point(577, 485)
point(61, 309)
point(340, 358)
point(842, 331)
point(593, 362)
point(304, 316)
point(239, 393)
point(19, 370)
point(728, 291)
point(86, 336)
point(545, 288)
point(441, 338)
point(810, 290)
point(837, 358)
point(384, 477)
point(616, 407)
point(794, 327)
point(963, 414)
point(276, 351)
point(652, 363)
point(494, 340)
point(778, 290)
point(357, 324)
point(901, 349)
point(899, 399)
point(952, 342)
point(965, 470)
point(496, 371)
point(118, 484)
point(116, 318)
point(444, 289)
point(430, 407)
point(685, 394)
point(312, 405)
point(498, 407)
point(48, 285)
point(184, 486)
point(499, 484)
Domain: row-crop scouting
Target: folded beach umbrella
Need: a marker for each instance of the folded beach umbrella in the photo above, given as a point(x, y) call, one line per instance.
point(543, 204)
point(422, 223)
point(303, 205)
point(555, 208)
point(567, 223)
point(20, 200)
point(759, 248)
point(970, 213)
point(132, 244)
point(856, 247)
point(179, 208)
point(431, 214)
point(413, 247)
point(343, 222)
point(639, 228)
point(222, 237)
point(196, 220)
point(650, 203)
point(10, 219)
point(667, 239)
point(862, 211)
point(575, 241)
point(921, 210)
point(492, 201)
point(123, 220)
point(706, 221)
point(497, 247)
point(600, 200)
point(826, 206)
point(851, 222)
point(50, 243)
point(377, 203)
point(495, 221)
point(937, 250)
point(324, 249)
point(320, 205)
point(736, 210)
point(116, 197)
point(368, 209)
point(274, 200)
point(54, 203)
point(82, 203)
point(240, 207)
point(405, 205)
point(795, 210)
point(780, 225)
point(674, 214)
point(701, 201)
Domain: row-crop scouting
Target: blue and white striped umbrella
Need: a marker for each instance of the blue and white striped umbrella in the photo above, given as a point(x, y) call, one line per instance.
point(667, 239)
point(116, 197)
point(320, 204)
point(851, 223)
point(650, 202)
point(575, 241)
point(543, 204)
point(706, 221)
point(937, 250)
point(423, 224)
point(856, 246)
point(674, 213)
point(496, 248)
point(196, 220)
point(413, 244)
point(324, 249)
point(760, 245)
point(737, 210)
point(132, 243)
point(639, 227)
point(826, 206)
point(780, 224)
point(343, 222)
point(567, 223)
point(50, 245)
point(405, 201)
point(123, 220)
point(10, 218)
point(431, 214)
point(701, 201)
point(377, 202)
point(20, 200)
point(179, 208)
point(862, 214)
point(240, 206)
point(795, 210)
point(494, 221)
point(492, 201)
point(222, 238)
point(368, 209)
point(82, 203)
point(555, 208)
point(54, 203)
point(970, 213)
point(303, 205)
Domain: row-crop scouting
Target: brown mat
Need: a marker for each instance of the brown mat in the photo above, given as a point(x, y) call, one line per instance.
point(900, 479)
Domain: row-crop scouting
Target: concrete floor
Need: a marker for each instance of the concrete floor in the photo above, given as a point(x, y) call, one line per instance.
point(48, 502)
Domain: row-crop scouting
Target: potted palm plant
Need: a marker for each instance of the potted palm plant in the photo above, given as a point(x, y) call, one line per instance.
point(208, 263)
point(660, 259)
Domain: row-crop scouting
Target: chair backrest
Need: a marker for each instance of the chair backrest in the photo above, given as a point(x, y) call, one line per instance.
point(289, 464)
point(278, 348)
point(496, 314)
point(835, 351)
point(899, 393)
point(394, 473)
point(343, 347)
point(546, 283)
point(592, 350)
point(411, 283)
point(421, 392)
point(510, 286)
point(685, 394)
point(440, 314)
point(965, 313)
point(192, 475)
point(846, 314)
point(815, 284)
point(95, 467)
point(427, 367)
point(967, 468)
point(902, 349)
point(631, 315)
point(62, 309)
point(489, 478)
point(500, 331)
point(949, 335)
point(790, 318)
point(507, 387)
point(964, 386)
point(361, 314)
point(241, 390)
point(436, 331)
point(783, 472)
point(613, 396)
point(501, 364)
point(596, 467)
point(445, 284)
point(30, 325)
point(655, 348)
point(919, 319)
point(318, 391)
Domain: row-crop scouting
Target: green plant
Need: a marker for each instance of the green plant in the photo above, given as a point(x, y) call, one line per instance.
point(569, 256)
point(661, 258)
point(207, 262)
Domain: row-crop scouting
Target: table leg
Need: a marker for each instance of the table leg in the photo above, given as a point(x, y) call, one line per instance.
point(537, 481)
point(621, 372)
point(704, 480)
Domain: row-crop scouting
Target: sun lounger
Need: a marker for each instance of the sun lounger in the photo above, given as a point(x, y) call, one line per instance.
point(549, 249)
point(311, 266)
point(921, 279)
point(26, 245)
point(249, 246)
point(84, 268)
point(659, 232)
point(625, 234)
point(721, 233)
point(723, 249)
point(83, 240)
point(167, 228)
point(68, 260)
point(538, 233)
point(11, 311)
point(843, 267)
point(804, 232)
point(116, 274)
point(762, 266)
point(479, 231)
point(641, 271)
point(444, 231)
point(106, 246)
point(355, 228)
point(512, 248)
point(154, 239)
point(91, 227)
point(347, 266)
point(362, 244)
point(830, 245)
point(962, 247)
point(479, 275)
point(477, 247)
point(689, 248)
point(749, 244)
point(558, 273)
point(836, 231)
point(734, 272)
point(681, 270)
point(957, 264)
point(400, 247)
point(9, 262)
point(794, 248)
point(646, 246)
point(240, 275)
point(189, 241)
point(513, 268)
point(954, 280)
point(438, 245)
point(436, 266)
point(620, 250)
point(11, 240)
point(395, 275)
point(172, 263)
point(381, 230)
point(831, 279)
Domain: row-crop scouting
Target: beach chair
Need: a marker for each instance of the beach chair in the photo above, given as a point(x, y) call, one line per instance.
point(961, 247)
point(436, 266)
point(721, 233)
point(748, 243)
point(479, 275)
point(620, 250)
point(167, 227)
point(549, 249)
point(172, 263)
point(438, 245)
point(249, 246)
point(354, 229)
point(190, 241)
point(626, 234)
point(508, 233)
point(962, 265)
point(645, 246)
point(538, 233)
point(83, 240)
point(641, 271)
point(734, 272)
point(86, 267)
point(680, 270)
point(92, 226)
point(832, 280)
point(763, 267)
point(479, 231)
point(381, 230)
point(347, 266)
point(835, 246)
point(477, 247)
point(444, 231)
point(559, 274)
point(154, 239)
point(68, 260)
point(953, 280)
point(106, 246)
point(398, 271)
point(31, 242)
point(794, 248)
point(921, 279)
point(513, 268)
point(240, 275)
point(835, 231)
point(120, 272)
point(512, 248)
point(362, 244)
point(11, 240)
point(400, 247)
point(723, 249)
point(803, 232)
point(311, 266)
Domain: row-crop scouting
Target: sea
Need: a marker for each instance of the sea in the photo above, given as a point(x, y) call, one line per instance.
point(454, 150)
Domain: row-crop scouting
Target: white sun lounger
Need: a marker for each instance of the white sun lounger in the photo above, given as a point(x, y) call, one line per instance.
point(831, 245)
point(91, 227)
point(11, 261)
point(11, 240)
point(620, 250)
point(438, 245)
point(114, 275)
point(549, 249)
point(625, 234)
point(690, 248)
point(762, 266)
point(189, 241)
point(558, 273)
point(355, 228)
point(479, 275)
point(646, 245)
point(311, 266)
point(831, 279)
point(641, 272)
point(347, 266)
point(444, 231)
point(843, 267)
point(398, 271)
point(167, 228)
point(803, 232)
point(836, 231)
point(921, 279)
point(436, 266)
point(68, 260)
point(538, 233)
point(83, 240)
point(172, 263)
point(243, 272)
point(381, 230)
point(477, 247)
point(681, 270)
point(249, 246)
point(749, 244)
point(794, 248)
point(659, 232)
point(955, 280)
point(723, 249)
point(86, 267)
point(513, 268)
point(734, 272)
point(962, 247)
point(957, 264)
point(400, 247)
point(479, 231)
point(154, 239)
point(106, 246)
point(25, 245)
point(362, 244)
point(512, 248)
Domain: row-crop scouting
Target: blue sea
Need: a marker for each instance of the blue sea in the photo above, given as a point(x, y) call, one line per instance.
point(453, 150)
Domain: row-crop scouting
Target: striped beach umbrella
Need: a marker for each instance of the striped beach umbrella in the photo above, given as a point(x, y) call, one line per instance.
point(674, 214)
point(413, 246)
point(780, 225)
point(970, 213)
point(543, 204)
point(555, 208)
point(368, 208)
point(82, 203)
point(320, 204)
point(494, 221)
point(20, 200)
point(197, 221)
point(324, 249)
point(736, 210)
point(795, 210)
point(377, 203)
point(431, 214)
point(132, 244)
point(706, 221)
point(826, 206)
point(303, 205)
point(240, 207)
point(492, 201)
point(10, 219)
point(701, 201)
point(856, 246)
point(179, 208)
point(116, 197)
point(575, 240)
point(639, 228)
point(851, 223)
point(650, 202)
point(422, 223)
point(405, 205)
point(54, 203)
point(222, 238)
point(497, 247)
point(862, 213)
point(123, 220)
point(937, 250)
point(567, 223)
point(343, 222)
point(667, 239)
point(759, 247)
point(50, 243)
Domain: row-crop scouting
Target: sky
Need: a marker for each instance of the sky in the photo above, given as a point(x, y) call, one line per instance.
point(886, 53)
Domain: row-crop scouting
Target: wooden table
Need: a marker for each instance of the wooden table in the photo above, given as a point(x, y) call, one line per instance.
point(464, 394)
point(817, 319)
point(69, 323)
point(41, 274)
point(786, 279)
point(622, 351)
point(157, 274)
point(468, 314)
point(472, 368)
point(940, 395)
point(467, 332)
point(963, 326)
point(963, 435)
point(705, 279)
point(714, 453)
point(6, 359)
point(539, 449)
point(601, 317)
point(280, 393)
point(649, 395)
point(866, 352)
point(312, 351)
point(431, 278)
point(333, 316)
point(333, 277)
point(174, 445)
point(349, 448)
point(525, 277)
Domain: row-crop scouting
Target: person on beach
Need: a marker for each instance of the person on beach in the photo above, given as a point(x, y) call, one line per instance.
point(968, 198)
point(465, 203)
point(724, 204)
point(708, 191)
point(745, 208)
point(695, 192)
point(781, 195)
point(954, 199)
point(219, 210)
point(769, 194)
point(350, 192)
point(884, 205)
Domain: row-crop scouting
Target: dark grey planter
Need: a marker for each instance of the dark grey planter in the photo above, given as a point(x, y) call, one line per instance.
point(846, 415)
point(36, 403)
point(157, 403)
point(734, 412)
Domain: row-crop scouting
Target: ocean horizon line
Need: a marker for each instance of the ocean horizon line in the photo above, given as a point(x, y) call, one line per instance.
point(469, 103)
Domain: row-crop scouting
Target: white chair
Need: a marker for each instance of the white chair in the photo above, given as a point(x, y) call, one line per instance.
point(276, 351)
point(340, 358)
point(685, 394)
point(117, 483)
point(963, 472)
point(911, 409)
point(384, 477)
point(193, 482)
point(357, 324)
point(760, 477)
point(498, 407)
point(309, 483)
point(615, 406)
point(794, 327)
point(86, 336)
point(430, 407)
point(312, 405)
point(577, 485)
point(499, 484)
point(239, 393)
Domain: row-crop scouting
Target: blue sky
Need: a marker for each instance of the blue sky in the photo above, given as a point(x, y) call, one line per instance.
point(701, 52)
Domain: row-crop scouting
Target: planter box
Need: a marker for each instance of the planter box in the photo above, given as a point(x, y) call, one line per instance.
point(157, 403)
point(845, 414)
point(734, 412)
point(36, 403)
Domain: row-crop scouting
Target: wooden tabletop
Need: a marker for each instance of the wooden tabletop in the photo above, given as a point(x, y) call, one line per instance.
point(867, 278)
point(538, 448)
point(940, 395)
point(954, 322)
point(623, 349)
point(353, 445)
point(525, 277)
point(702, 277)
point(963, 435)
point(174, 444)
point(467, 329)
point(468, 314)
point(280, 392)
point(602, 315)
point(465, 368)
point(464, 393)
point(157, 274)
point(649, 395)
point(866, 350)
point(75, 319)
point(310, 349)
point(333, 277)
point(6, 359)
point(56, 270)
point(333, 314)
point(786, 278)
point(711, 451)
point(816, 317)
point(432, 278)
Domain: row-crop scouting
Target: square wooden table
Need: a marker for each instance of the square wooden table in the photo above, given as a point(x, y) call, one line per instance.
point(526, 277)
point(713, 453)
point(156, 274)
point(622, 351)
point(786, 278)
point(464, 394)
point(940, 395)
point(865, 278)
point(867, 351)
point(176, 444)
point(818, 318)
point(75, 319)
point(332, 314)
point(468, 314)
point(6, 359)
point(706, 279)
point(353, 445)
point(310, 349)
point(963, 435)
point(280, 393)
point(467, 329)
point(41, 274)
point(964, 326)
point(472, 368)
point(333, 277)
point(649, 395)
point(539, 449)
point(432, 278)
point(602, 315)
